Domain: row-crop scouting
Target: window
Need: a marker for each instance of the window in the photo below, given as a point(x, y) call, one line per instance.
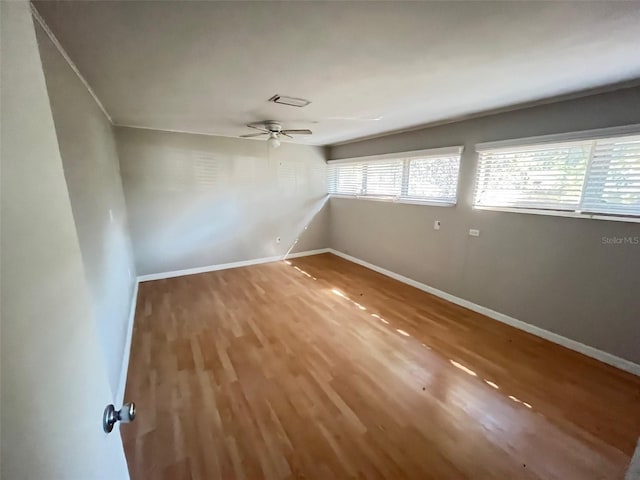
point(612, 182)
point(596, 176)
point(428, 176)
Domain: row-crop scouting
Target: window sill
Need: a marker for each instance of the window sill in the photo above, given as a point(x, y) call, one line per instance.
point(405, 201)
point(560, 213)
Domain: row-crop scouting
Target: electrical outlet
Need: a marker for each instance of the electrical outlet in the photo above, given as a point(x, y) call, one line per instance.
point(436, 225)
point(474, 233)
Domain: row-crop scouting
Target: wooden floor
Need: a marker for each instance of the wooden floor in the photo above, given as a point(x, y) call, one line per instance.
point(320, 368)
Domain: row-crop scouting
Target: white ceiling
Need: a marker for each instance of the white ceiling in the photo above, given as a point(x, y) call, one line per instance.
point(210, 67)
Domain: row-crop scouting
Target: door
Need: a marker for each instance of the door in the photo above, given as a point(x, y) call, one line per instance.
point(54, 382)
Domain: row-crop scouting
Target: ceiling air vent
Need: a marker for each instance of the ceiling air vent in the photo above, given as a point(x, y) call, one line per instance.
point(291, 101)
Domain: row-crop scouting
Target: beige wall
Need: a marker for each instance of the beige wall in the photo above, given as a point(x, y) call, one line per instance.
point(91, 168)
point(54, 383)
point(198, 200)
point(551, 272)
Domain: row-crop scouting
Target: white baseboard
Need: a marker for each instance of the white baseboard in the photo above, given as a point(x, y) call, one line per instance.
point(308, 253)
point(127, 349)
point(592, 352)
point(225, 266)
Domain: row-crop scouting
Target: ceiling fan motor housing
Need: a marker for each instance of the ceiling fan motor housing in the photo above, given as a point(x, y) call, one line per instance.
point(273, 126)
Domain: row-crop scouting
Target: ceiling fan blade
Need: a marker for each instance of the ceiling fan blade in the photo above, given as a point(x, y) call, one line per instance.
point(249, 135)
point(297, 132)
point(283, 133)
point(257, 128)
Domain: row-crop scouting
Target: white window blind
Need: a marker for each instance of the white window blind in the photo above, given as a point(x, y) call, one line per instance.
point(383, 178)
point(613, 178)
point(593, 176)
point(429, 176)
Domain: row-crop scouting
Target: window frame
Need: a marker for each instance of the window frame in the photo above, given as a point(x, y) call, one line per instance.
point(406, 158)
point(585, 135)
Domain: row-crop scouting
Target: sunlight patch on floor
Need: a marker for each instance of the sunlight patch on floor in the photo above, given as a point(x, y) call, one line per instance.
point(463, 368)
point(375, 315)
point(304, 272)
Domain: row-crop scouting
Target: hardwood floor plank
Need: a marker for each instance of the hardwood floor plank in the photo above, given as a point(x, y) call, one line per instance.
point(320, 368)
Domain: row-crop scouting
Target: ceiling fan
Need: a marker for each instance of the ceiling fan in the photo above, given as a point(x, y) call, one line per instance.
point(273, 129)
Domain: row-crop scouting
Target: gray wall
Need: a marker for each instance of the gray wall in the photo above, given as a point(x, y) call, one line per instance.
point(552, 272)
point(87, 145)
point(198, 200)
point(54, 384)
point(633, 472)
